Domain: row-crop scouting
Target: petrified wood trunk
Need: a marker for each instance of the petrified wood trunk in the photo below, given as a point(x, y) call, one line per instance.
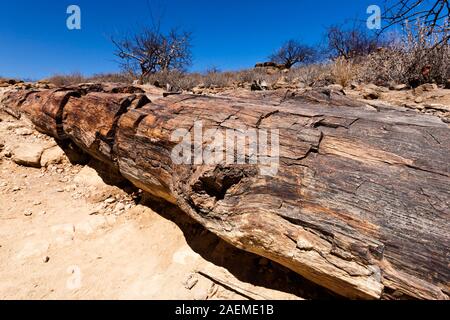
point(359, 203)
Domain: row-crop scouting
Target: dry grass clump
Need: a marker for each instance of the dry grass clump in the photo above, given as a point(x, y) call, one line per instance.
point(343, 71)
point(66, 79)
point(77, 78)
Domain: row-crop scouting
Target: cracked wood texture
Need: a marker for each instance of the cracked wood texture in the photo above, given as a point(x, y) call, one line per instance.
point(360, 203)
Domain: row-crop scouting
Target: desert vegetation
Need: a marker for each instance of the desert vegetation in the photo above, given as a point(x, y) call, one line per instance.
point(349, 55)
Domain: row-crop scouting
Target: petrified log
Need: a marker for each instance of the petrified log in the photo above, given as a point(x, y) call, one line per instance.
point(359, 202)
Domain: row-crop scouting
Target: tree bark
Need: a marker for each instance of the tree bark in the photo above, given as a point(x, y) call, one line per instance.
point(360, 202)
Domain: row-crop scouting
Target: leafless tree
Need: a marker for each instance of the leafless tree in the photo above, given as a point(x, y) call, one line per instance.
point(350, 43)
point(150, 51)
point(434, 14)
point(292, 53)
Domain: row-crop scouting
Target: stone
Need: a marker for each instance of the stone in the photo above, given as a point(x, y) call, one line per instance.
point(54, 155)
point(88, 177)
point(110, 200)
point(399, 87)
point(427, 87)
point(28, 213)
point(259, 85)
point(370, 94)
point(119, 206)
point(281, 83)
point(24, 131)
point(190, 282)
point(335, 87)
point(28, 155)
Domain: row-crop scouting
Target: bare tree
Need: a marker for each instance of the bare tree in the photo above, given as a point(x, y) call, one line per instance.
point(292, 53)
point(350, 43)
point(434, 14)
point(151, 51)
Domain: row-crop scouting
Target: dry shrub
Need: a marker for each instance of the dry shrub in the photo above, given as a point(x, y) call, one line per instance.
point(61, 80)
point(311, 75)
point(343, 71)
point(112, 77)
point(77, 78)
point(405, 56)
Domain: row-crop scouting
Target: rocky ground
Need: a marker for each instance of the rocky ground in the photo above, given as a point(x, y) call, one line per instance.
point(66, 233)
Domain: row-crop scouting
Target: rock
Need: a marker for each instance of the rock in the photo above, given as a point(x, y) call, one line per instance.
point(190, 282)
point(374, 87)
point(198, 90)
point(24, 131)
point(28, 155)
point(418, 100)
point(281, 83)
point(119, 207)
point(46, 259)
point(427, 87)
point(15, 189)
point(259, 85)
point(54, 155)
point(370, 94)
point(335, 87)
point(88, 177)
point(437, 106)
point(28, 213)
point(110, 200)
point(399, 87)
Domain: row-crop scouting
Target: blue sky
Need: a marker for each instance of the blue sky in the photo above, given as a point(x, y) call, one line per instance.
point(232, 34)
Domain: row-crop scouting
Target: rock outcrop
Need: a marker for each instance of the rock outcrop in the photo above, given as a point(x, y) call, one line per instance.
point(359, 202)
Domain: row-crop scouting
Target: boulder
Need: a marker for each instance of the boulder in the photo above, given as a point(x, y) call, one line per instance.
point(426, 87)
point(54, 155)
point(28, 155)
point(370, 94)
point(88, 177)
point(259, 85)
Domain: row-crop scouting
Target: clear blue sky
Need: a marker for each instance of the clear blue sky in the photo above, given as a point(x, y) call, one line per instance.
point(231, 34)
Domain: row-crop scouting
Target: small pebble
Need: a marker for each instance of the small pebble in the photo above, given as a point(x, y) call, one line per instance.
point(110, 200)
